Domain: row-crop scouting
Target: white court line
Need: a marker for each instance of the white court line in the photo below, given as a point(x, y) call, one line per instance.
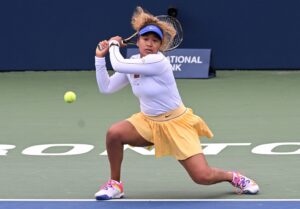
point(151, 200)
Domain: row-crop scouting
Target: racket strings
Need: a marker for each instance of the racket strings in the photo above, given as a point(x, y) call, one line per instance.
point(172, 42)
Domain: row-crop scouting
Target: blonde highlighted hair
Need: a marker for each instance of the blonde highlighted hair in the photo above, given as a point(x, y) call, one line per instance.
point(142, 18)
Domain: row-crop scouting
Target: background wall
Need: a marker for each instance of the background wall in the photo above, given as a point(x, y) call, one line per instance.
point(62, 34)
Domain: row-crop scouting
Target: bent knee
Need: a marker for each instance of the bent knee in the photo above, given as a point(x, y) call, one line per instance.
point(114, 134)
point(203, 178)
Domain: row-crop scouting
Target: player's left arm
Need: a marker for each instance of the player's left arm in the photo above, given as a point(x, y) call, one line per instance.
point(152, 64)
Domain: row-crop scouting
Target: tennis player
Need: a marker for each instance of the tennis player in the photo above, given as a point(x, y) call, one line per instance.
point(163, 120)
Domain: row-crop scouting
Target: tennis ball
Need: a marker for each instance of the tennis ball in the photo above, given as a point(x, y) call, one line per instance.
point(70, 97)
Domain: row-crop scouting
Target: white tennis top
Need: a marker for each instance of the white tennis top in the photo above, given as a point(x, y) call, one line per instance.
point(151, 79)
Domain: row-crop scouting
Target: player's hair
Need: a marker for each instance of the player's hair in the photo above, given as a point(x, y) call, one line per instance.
point(142, 18)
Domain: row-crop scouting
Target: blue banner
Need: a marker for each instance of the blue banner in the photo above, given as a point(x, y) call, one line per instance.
point(186, 63)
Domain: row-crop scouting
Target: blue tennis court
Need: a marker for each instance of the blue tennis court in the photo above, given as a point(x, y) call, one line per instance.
point(152, 204)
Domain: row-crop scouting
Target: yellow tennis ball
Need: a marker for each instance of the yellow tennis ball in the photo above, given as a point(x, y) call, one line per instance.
point(70, 97)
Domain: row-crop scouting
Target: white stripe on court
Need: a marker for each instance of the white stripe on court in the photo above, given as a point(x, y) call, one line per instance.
point(151, 200)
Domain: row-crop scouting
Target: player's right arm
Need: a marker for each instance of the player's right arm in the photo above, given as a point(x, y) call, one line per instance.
point(107, 84)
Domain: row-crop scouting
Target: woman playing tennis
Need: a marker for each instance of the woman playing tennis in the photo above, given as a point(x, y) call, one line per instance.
point(163, 120)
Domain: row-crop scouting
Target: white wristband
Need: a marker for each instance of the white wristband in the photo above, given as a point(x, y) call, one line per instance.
point(113, 43)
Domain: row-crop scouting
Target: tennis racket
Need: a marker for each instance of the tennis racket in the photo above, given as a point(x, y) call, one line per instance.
point(173, 43)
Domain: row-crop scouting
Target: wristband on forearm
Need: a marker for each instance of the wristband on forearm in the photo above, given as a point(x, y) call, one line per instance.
point(114, 43)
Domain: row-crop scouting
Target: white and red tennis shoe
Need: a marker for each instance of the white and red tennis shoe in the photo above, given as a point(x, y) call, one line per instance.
point(111, 190)
point(244, 184)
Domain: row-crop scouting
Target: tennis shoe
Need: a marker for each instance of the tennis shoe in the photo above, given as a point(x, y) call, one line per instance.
point(244, 184)
point(111, 190)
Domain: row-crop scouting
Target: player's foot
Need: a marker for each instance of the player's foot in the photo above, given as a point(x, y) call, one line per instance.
point(111, 190)
point(244, 184)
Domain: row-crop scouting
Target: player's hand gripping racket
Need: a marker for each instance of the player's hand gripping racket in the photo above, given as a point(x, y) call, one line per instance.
point(173, 43)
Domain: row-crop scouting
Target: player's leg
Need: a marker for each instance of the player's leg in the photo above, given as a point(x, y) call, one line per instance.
point(119, 134)
point(201, 173)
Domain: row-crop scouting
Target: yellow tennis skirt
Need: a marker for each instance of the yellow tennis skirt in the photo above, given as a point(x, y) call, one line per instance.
point(174, 133)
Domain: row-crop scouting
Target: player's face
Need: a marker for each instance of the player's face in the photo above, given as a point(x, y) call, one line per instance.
point(148, 44)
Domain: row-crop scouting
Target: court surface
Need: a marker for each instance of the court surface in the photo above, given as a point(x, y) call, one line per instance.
point(250, 110)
